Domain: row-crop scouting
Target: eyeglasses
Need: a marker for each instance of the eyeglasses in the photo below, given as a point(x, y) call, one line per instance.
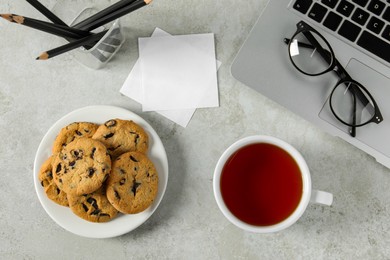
point(350, 102)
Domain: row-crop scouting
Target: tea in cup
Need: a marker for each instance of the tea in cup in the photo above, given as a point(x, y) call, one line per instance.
point(262, 184)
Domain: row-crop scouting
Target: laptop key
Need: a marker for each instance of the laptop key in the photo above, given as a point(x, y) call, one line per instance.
point(375, 45)
point(349, 30)
point(332, 21)
point(345, 8)
point(362, 3)
point(317, 12)
point(386, 15)
point(302, 5)
point(386, 33)
point(330, 3)
point(375, 25)
point(360, 16)
point(376, 7)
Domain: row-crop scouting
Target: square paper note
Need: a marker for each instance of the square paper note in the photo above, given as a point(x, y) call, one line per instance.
point(178, 72)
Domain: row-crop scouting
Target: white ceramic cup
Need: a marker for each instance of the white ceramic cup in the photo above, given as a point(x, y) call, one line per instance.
point(308, 195)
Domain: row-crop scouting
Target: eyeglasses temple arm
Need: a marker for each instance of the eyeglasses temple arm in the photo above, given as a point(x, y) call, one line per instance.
point(353, 128)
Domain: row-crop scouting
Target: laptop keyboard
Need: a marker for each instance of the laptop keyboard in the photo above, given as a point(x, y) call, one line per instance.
point(365, 23)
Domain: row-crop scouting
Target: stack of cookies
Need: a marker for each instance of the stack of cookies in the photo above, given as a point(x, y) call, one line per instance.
point(100, 170)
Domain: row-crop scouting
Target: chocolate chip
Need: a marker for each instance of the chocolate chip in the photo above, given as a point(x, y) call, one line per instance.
point(78, 154)
point(122, 171)
point(59, 167)
point(58, 191)
point(110, 123)
point(136, 137)
point(71, 164)
point(91, 171)
point(78, 133)
point(84, 207)
point(109, 135)
point(135, 186)
point(60, 180)
point(96, 212)
point(122, 181)
point(49, 175)
point(133, 159)
point(104, 215)
point(93, 152)
point(117, 195)
point(93, 202)
point(86, 130)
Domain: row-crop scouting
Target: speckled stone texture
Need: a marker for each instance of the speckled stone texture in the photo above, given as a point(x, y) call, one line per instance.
point(188, 223)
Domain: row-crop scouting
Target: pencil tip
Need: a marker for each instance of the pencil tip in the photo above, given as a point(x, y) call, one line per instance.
point(147, 1)
point(43, 56)
point(7, 17)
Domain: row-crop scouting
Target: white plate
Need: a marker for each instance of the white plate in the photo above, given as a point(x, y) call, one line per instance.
point(122, 224)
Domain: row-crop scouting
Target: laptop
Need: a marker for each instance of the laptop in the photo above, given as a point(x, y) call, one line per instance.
point(358, 31)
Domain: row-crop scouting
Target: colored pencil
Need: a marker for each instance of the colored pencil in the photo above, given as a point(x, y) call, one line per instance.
point(46, 12)
point(103, 13)
point(55, 29)
point(115, 15)
point(72, 45)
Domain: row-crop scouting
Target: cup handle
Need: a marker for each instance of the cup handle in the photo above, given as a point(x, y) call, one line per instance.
point(321, 197)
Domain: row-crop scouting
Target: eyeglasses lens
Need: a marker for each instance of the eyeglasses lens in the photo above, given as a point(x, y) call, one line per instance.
point(351, 104)
point(307, 57)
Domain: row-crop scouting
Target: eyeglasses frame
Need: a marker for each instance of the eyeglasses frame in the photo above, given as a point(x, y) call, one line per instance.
point(335, 66)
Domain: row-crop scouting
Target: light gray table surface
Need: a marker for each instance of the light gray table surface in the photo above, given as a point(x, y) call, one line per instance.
point(188, 223)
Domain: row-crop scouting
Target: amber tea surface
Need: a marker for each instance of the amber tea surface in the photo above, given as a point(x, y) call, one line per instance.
point(261, 184)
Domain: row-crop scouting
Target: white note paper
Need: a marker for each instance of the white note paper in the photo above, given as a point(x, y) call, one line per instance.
point(177, 74)
point(132, 88)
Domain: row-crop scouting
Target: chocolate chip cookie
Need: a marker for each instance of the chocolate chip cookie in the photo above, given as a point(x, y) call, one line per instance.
point(133, 183)
point(93, 207)
point(71, 132)
point(51, 189)
point(120, 136)
point(82, 166)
